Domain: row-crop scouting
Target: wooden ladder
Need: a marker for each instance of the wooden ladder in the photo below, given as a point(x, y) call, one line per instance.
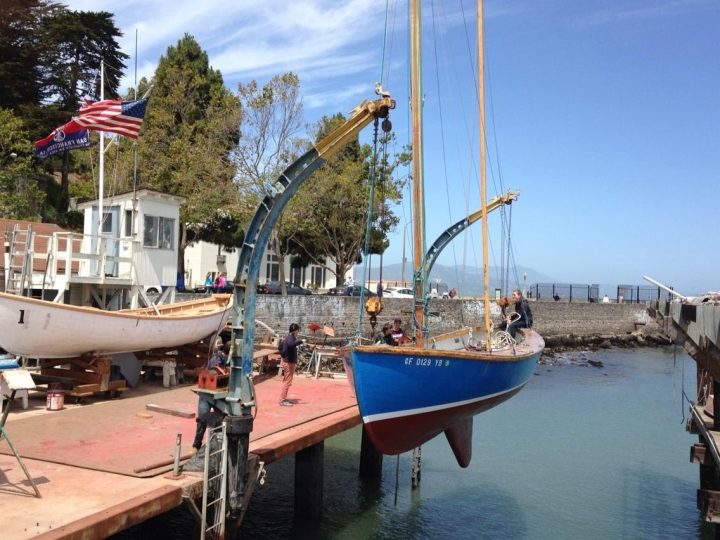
point(19, 264)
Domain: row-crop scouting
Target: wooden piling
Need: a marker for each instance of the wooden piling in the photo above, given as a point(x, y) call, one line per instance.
point(309, 471)
point(371, 459)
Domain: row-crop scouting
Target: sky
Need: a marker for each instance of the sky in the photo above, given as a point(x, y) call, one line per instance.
point(604, 115)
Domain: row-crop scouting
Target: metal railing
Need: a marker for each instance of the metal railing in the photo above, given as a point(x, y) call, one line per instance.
point(567, 292)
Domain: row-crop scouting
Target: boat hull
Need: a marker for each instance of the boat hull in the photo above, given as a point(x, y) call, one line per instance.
point(408, 396)
point(41, 329)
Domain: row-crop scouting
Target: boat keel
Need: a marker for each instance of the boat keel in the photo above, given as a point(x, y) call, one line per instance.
point(459, 435)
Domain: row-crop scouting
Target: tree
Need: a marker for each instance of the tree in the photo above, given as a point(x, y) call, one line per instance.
point(272, 116)
point(329, 213)
point(20, 196)
point(189, 132)
point(20, 42)
point(74, 44)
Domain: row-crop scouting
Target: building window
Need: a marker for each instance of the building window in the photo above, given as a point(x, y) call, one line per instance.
point(107, 223)
point(273, 268)
point(296, 276)
point(317, 276)
point(159, 232)
point(128, 222)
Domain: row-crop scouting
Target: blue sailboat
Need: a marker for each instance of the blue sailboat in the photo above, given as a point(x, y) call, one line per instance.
point(409, 394)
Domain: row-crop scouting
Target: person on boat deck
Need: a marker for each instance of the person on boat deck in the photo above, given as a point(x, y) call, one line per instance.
point(522, 308)
point(386, 336)
point(217, 362)
point(398, 333)
point(288, 353)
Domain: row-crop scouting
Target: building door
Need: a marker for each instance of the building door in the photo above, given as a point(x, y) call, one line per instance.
point(108, 242)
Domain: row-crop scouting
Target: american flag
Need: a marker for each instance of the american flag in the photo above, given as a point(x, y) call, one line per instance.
point(122, 117)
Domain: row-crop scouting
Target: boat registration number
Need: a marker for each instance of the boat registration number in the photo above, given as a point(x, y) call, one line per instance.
point(426, 362)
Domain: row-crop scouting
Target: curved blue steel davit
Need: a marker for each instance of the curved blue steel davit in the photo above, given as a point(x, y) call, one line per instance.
point(240, 397)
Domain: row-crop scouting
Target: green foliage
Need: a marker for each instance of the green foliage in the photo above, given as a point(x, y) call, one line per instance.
point(328, 216)
point(190, 129)
point(20, 196)
point(20, 47)
point(74, 43)
point(222, 230)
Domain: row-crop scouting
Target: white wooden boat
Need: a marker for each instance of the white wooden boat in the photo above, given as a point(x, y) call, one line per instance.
point(42, 329)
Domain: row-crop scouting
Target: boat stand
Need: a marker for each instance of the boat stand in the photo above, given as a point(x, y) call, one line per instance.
point(4, 435)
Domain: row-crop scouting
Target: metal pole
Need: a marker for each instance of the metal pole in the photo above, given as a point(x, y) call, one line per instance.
point(176, 465)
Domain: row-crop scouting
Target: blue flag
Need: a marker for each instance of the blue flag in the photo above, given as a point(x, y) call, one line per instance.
point(67, 137)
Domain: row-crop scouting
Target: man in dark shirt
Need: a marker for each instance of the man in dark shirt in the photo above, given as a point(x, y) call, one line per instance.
point(522, 318)
point(288, 352)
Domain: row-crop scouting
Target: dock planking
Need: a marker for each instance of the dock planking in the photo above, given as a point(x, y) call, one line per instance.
point(100, 468)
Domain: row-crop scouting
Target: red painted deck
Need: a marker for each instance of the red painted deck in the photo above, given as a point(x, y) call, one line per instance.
point(98, 467)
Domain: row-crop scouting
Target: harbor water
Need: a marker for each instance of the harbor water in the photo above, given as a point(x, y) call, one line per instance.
point(584, 451)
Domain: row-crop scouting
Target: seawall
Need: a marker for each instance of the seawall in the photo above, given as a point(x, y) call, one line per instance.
point(560, 323)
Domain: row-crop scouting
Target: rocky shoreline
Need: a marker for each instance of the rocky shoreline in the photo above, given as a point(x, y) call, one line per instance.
point(557, 347)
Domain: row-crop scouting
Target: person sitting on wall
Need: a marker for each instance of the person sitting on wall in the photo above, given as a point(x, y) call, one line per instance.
point(521, 318)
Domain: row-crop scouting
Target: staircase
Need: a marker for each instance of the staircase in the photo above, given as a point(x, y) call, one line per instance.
point(19, 271)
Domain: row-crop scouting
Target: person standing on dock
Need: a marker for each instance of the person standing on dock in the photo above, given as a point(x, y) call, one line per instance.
point(206, 404)
point(522, 318)
point(288, 352)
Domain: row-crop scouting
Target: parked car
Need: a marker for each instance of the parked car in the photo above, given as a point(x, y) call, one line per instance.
point(398, 292)
point(274, 288)
point(262, 289)
point(337, 291)
point(356, 290)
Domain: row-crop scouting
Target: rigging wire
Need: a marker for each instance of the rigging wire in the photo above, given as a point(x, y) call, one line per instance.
point(443, 146)
point(385, 33)
point(498, 184)
point(368, 223)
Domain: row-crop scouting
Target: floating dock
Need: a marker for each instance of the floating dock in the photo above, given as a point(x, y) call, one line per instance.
point(103, 467)
point(695, 325)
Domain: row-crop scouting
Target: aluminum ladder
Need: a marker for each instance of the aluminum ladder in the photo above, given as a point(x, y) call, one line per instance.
point(19, 260)
point(215, 486)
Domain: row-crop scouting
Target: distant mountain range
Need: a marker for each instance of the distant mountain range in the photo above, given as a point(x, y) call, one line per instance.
point(467, 280)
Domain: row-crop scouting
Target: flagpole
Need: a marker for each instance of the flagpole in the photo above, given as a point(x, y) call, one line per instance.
point(101, 178)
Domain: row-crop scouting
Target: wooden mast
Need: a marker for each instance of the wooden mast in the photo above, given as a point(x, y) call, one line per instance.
point(417, 168)
point(483, 182)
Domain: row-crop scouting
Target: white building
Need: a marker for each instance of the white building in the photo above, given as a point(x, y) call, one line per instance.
point(143, 226)
point(204, 257)
point(136, 251)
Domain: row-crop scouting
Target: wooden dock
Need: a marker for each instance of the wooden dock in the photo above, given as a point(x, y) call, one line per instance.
point(696, 327)
point(102, 467)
